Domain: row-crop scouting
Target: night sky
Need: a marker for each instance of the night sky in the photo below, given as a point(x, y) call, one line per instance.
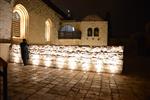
point(127, 16)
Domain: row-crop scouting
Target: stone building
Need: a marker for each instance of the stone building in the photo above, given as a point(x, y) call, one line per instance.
point(43, 23)
point(55, 39)
point(90, 31)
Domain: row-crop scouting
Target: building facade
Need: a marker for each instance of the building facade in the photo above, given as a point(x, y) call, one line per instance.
point(41, 24)
point(54, 40)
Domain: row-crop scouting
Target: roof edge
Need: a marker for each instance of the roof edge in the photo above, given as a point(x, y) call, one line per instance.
point(55, 8)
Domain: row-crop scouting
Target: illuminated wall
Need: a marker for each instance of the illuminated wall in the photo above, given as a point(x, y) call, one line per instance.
point(83, 26)
point(5, 20)
point(98, 59)
point(24, 20)
point(100, 40)
point(5, 28)
point(40, 24)
point(36, 17)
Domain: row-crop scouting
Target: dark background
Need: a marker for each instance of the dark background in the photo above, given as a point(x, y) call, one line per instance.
point(126, 16)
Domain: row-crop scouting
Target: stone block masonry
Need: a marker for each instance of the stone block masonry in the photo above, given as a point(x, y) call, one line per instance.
point(98, 59)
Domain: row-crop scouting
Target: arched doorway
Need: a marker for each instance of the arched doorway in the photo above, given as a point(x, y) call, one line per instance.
point(20, 22)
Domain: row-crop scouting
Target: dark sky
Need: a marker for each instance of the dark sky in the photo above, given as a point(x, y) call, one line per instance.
point(127, 16)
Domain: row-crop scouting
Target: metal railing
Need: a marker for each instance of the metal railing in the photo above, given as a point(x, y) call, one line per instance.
point(3, 74)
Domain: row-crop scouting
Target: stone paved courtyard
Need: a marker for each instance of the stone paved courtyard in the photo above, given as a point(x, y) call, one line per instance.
point(42, 83)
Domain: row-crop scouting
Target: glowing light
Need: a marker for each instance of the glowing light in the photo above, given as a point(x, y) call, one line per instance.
point(98, 59)
point(48, 26)
point(98, 66)
point(60, 62)
point(112, 68)
point(86, 64)
point(72, 63)
point(16, 59)
point(47, 62)
point(35, 59)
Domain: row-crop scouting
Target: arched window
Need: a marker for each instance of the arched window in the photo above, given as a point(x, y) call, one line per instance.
point(67, 28)
point(48, 26)
point(89, 32)
point(96, 31)
point(69, 32)
point(20, 21)
point(16, 25)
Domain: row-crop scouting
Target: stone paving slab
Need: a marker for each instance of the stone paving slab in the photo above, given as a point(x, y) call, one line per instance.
point(43, 83)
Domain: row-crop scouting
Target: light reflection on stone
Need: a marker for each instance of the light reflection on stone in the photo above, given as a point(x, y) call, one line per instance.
point(98, 59)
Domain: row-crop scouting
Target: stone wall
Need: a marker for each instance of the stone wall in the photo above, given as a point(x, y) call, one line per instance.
point(5, 21)
point(38, 13)
point(5, 28)
point(98, 59)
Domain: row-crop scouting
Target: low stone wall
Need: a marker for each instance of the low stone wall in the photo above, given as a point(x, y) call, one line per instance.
point(4, 51)
point(99, 59)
